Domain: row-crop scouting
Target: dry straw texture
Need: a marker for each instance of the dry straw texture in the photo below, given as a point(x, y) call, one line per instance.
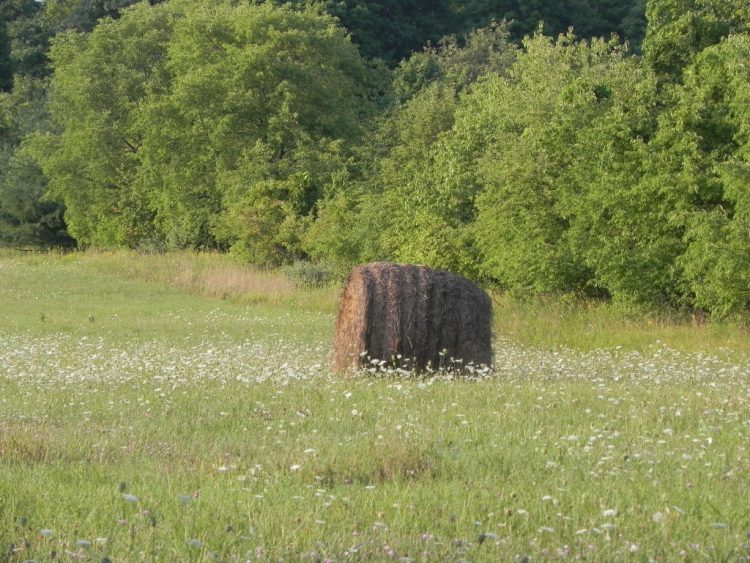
point(412, 317)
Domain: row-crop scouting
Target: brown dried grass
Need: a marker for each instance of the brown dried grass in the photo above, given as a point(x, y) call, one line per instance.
point(412, 317)
point(212, 274)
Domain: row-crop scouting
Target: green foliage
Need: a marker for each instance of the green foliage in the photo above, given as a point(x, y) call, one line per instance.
point(6, 64)
point(556, 165)
point(678, 30)
point(305, 274)
point(270, 204)
point(392, 29)
point(98, 91)
point(713, 111)
point(394, 216)
point(261, 102)
point(36, 23)
point(528, 127)
point(340, 233)
point(542, 148)
point(202, 125)
point(486, 50)
point(402, 209)
point(26, 218)
point(15, 16)
point(588, 18)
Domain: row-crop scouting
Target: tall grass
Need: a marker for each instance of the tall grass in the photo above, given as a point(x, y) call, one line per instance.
point(585, 324)
point(140, 421)
point(215, 275)
point(574, 322)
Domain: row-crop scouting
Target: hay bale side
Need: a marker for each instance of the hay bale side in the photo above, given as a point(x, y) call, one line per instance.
point(412, 317)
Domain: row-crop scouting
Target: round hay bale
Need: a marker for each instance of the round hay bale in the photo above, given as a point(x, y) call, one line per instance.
point(412, 317)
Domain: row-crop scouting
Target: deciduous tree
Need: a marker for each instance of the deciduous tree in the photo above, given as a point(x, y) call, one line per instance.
point(102, 81)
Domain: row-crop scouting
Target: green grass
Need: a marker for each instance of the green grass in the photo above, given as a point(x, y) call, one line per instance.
point(219, 416)
point(559, 321)
point(587, 325)
point(215, 275)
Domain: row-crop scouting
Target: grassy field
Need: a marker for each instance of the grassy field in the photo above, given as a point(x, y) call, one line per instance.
point(180, 408)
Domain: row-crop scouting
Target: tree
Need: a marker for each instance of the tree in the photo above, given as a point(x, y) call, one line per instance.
point(392, 29)
point(26, 27)
point(712, 121)
point(35, 23)
point(680, 29)
point(100, 84)
point(198, 124)
point(555, 151)
point(262, 101)
point(6, 64)
point(26, 218)
point(397, 209)
point(588, 18)
point(12, 12)
point(484, 51)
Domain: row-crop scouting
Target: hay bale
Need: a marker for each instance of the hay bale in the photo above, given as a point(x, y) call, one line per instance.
point(412, 317)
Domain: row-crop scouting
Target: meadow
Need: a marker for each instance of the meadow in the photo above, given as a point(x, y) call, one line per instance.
point(181, 408)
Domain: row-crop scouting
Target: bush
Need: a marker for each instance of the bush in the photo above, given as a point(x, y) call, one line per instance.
point(310, 274)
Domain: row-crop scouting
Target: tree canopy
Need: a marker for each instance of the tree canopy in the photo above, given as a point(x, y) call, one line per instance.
point(174, 117)
point(487, 138)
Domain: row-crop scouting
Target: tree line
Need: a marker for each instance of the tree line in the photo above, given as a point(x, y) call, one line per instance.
point(530, 156)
